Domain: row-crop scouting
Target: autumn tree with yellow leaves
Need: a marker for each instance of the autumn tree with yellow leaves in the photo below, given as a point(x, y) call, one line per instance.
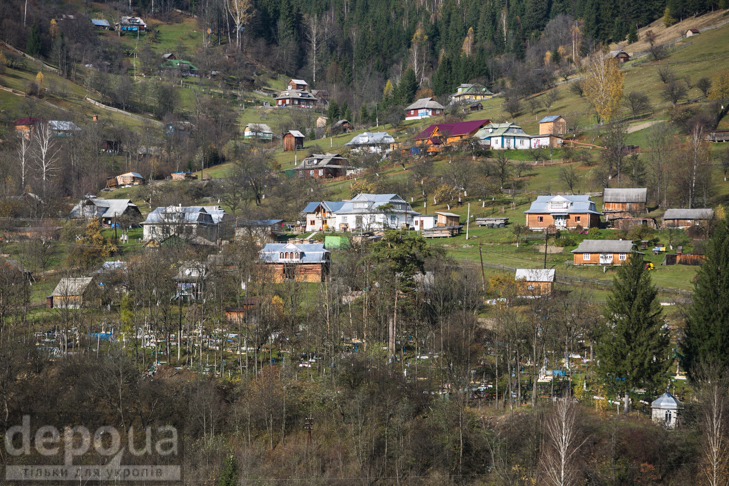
point(603, 86)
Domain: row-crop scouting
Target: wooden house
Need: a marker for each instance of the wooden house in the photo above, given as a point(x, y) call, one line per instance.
point(718, 136)
point(126, 179)
point(298, 262)
point(685, 218)
point(296, 98)
point(342, 126)
point(262, 230)
point(443, 134)
point(563, 212)
point(446, 225)
point(553, 125)
point(423, 108)
point(299, 84)
point(692, 32)
point(242, 314)
point(322, 96)
point(618, 203)
point(372, 142)
point(183, 68)
point(169, 55)
point(321, 122)
point(25, 126)
point(602, 252)
point(71, 293)
point(683, 259)
point(323, 166)
point(534, 282)
point(293, 140)
point(107, 210)
point(477, 106)
point(183, 176)
point(466, 93)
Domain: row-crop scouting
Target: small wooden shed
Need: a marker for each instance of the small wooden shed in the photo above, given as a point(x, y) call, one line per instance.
point(293, 140)
point(534, 282)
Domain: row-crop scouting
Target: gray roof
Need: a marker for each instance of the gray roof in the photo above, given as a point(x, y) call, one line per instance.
point(535, 274)
point(216, 212)
point(604, 246)
point(624, 195)
point(308, 253)
point(299, 81)
point(103, 208)
point(133, 174)
point(700, 213)
point(562, 205)
point(295, 93)
point(551, 118)
point(371, 138)
point(425, 103)
point(296, 133)
point(259, 128)
point(331, 206)
point(63, 126)
point(71, 286)
point(334, 161)
point(254, 223)
point(182, 214)
point(100, 22)
point(667, 402)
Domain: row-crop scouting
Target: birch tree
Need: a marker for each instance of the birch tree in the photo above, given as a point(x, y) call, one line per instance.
point(417, 53)
point(239, 10)
point(562, 437)
point(711, 386)
point(24, 153)
point(603, 86)
point(45, 153)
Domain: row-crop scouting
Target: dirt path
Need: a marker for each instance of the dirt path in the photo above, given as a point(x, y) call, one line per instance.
point(640, 126)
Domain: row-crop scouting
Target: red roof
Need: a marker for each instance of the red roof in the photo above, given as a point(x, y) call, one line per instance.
point(453, 129)
point(26, 121)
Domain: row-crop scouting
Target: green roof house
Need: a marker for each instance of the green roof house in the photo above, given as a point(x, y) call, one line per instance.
point(185, 67)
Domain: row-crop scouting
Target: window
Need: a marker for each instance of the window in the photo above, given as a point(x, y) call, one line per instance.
point(586, 257)
point(622, 257)
point(578, 219)
point(321, 172)
point(540, 219)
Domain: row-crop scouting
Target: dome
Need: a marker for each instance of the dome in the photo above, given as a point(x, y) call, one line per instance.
point(666, 402)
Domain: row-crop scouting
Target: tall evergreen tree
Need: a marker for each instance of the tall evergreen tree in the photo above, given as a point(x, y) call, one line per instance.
point(34, 45)
point(707, 325)
point(407, 87)
point(633, 347)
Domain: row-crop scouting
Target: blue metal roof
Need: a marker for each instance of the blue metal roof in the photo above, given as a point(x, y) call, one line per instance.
point(100, 22)
point(331, 206)
point(548, 119)
point(578, 204)
point(308, 253)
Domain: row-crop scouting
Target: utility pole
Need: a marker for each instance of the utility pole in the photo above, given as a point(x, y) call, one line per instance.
point(308, 425)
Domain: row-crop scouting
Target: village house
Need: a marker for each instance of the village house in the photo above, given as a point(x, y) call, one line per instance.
point(363, 212)
point(467, 93)
point(190, 280)
point(322, 96)
point(183, 176)
point(618, 203)
point(258, 131)
point(62, 129)
point(685, 218)
point(443, 134)
point(323, 166)
point(423, 222)
point(319, 216)
point(473, 107)
point(124, 180)
point(179, 129)
point(298, 84)
point(553, 125)
point(101, 24)
point(293, 140)
point(372, 142)
point(296, 98)
point(26, 126)
point(692, 32)
point(534, 282)
point(107, 210)
point(183, 222)
point(501, 136)
point(342, 126)
point(72, 293)
point(446, 225)
point(321, 121)
point(261, 230)
point(168, 55)
point(242, 314)
point(297, 262)
point(620, 55)
point(130, 24)
point(423, 108)
point(602, 252)
point(562, 212)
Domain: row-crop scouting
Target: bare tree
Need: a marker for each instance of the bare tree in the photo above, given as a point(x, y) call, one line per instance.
point(712, 391)
point(24, 151)
point(239, 10)
point(666, 74)
point(614, 152)
point(317, 34)
point(45, 153)
point(569, 177)
point(512, 106)
point(637, 102)
point(577, 88)
point(674, 91)
point(559, 459)
point(704, 84)
point(660, 154)
point(551, 98)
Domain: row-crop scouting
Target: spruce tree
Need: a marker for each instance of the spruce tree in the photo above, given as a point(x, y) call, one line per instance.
point(707, 324)
point(34, 45)
point(632, 34)
point(633, 348)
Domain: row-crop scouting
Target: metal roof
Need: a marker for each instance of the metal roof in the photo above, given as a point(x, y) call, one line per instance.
point(71, 287)
point(258, 222)
point(296, 133)
point(699, 213)
point(333, 161)
point(666, 402)
point(103, 208)
point(100, 22)
point(331, 206)
point(535, 274)
point(371, 138)
point(308, 253)
point(604, 246)
point(259, 128)
point(425, 103)
point(575, 204)
point(295, 93)
point(63, 126)
point(185, 214)
point(551, 118)
point(499, 129)
point(133, 174)
point(299, 81)
point(610, 195)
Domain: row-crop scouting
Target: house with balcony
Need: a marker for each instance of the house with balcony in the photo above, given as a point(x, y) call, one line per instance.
point(296, 262)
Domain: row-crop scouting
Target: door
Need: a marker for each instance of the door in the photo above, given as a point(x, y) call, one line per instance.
point(560, 221)
point(606, 258)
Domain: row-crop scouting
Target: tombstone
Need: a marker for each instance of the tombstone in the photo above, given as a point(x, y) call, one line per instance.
point(666, 410)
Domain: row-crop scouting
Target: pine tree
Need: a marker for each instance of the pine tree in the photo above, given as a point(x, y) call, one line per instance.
point(332, 112)
point(34, 45)
point(632, 34)
point(407, 87)
point(229, 474)
point(633, 347)
point(707, 325)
